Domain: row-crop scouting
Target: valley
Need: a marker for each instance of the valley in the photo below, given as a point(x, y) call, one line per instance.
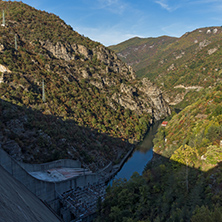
point(66, 98)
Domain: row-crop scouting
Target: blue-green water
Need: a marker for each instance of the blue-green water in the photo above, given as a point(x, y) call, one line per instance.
point(140, 157)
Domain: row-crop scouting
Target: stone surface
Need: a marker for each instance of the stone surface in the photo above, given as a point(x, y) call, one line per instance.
point(4, 69)
point(12, 148)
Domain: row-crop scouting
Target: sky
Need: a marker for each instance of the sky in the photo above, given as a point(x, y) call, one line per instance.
point(113, 21)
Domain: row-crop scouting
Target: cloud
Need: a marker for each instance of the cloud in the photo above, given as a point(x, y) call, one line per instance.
point(164, 4)
point(114, 6)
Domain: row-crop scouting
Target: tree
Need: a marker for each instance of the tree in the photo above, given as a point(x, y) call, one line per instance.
point(187, 156)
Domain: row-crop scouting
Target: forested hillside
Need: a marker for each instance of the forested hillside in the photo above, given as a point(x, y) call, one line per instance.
point(177, 65)
point(184, 181)
point(63, 82)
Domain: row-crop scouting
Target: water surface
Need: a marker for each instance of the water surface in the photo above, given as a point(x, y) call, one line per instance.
point(140, 157)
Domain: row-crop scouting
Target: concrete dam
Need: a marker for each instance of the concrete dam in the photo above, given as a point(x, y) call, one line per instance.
point(71, 191)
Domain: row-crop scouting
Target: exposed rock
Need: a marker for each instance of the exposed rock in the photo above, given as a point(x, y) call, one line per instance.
point(129, 90)
point(176, 99)
point(145, 97)
point(204, 43)
point(215, 30)
point(59, 50)
point(99, 85)
point(109, 82)
point(84, 51)
point(2, 47)
point(4, 69)
point(13, 149)
point(127, 102)
point(106, 56)
point(208, 31)
point(203, 157)
point(172, 67)
point(211, 51)
point(85, 73)
point(159, 104)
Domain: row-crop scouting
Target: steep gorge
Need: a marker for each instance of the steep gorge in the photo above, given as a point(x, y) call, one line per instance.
point(65, 96)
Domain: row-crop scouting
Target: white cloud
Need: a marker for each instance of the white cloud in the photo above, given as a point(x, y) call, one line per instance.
point(114, 6)
point(164, 4)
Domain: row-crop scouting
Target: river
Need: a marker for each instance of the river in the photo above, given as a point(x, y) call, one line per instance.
point(140, 156)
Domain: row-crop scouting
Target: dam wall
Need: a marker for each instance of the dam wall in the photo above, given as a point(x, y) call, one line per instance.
point(46, 190)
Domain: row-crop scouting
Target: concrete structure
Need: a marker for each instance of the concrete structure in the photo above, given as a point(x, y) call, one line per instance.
point(17, 203)
point(51, 190)
point(46, 190)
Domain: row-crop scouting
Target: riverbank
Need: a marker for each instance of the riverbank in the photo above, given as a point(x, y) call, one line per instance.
point(135, 159)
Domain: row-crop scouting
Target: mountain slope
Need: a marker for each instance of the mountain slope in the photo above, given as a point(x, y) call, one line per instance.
point(72, 83)
point(141, 52)
point(183, 182)
point(186, 64)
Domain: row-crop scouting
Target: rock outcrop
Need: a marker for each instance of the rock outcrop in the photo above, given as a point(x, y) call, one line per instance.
point(144, 97)
point(70, 52)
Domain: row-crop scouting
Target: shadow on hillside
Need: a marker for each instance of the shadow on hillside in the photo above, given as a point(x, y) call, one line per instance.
point(167, 191)
point(31, 136)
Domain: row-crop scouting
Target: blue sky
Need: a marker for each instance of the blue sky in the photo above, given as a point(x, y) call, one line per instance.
point(113, 21)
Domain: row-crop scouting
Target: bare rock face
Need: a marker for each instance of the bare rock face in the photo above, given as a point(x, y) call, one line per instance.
point(70, 52)
point(155, 95)
point(85, 74)
point(83, 51)
point(211, 51)
point(4, 69)
point(145, 97)
point(2, 47)
point(127, 102)
point(59, 50)
point(129, 90)
point(204, 43)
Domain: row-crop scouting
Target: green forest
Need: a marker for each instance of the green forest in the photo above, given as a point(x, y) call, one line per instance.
point(183, 181)
point(68, 96)
point(63, 96)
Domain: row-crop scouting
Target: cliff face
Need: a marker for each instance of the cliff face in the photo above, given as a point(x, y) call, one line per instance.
point(70, 52)
point(140, 96)
point(143, 97)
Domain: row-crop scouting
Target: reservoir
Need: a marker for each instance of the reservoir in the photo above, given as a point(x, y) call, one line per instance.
point(142, 154)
